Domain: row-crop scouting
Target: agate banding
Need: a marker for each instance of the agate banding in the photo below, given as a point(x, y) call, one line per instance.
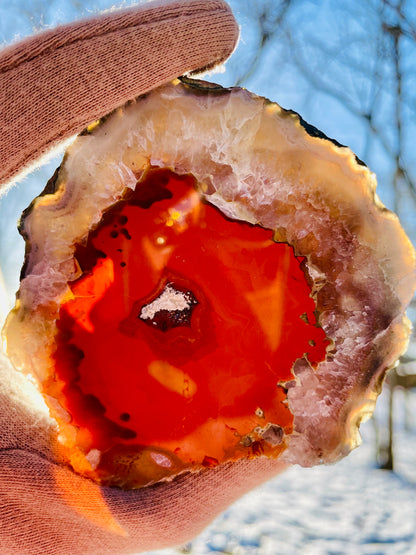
point(208, 278)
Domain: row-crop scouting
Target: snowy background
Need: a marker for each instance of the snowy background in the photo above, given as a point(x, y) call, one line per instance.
point(350, 69)
point(349, 508)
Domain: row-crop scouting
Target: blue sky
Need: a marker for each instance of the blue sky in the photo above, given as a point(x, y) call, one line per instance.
point(346, 30)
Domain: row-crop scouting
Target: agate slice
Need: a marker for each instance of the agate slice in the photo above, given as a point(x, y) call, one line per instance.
point(207, 278)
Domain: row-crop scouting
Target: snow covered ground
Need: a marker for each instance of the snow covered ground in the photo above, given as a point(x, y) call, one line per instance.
point(350, 508)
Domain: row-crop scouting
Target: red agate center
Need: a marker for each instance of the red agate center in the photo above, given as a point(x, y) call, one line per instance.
point(181, 333)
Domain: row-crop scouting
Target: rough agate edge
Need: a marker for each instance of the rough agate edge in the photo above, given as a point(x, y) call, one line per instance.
point(257, 163)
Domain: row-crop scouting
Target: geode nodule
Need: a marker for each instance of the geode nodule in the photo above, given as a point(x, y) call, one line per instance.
point(208, 277)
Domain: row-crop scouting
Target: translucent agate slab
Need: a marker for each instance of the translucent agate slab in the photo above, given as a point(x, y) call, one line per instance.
point(208, 277)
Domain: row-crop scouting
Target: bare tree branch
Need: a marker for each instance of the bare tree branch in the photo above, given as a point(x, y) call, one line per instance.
point(269, 24)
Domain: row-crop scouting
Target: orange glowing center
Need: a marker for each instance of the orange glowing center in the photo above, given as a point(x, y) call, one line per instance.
point(181, 332)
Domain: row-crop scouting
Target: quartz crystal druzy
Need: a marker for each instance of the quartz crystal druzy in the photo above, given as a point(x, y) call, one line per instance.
point(208, 277)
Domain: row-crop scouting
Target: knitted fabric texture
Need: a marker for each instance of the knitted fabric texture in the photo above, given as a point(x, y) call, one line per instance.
point(51, 86)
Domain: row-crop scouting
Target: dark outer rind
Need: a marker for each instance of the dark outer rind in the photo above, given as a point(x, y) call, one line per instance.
point(205, 86)
point(50, 189)
point(315, 132)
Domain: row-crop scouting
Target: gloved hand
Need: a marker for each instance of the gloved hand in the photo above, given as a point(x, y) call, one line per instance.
point(51, 86)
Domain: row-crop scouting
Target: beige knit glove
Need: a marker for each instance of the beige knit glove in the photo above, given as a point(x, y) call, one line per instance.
point(51, 86)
